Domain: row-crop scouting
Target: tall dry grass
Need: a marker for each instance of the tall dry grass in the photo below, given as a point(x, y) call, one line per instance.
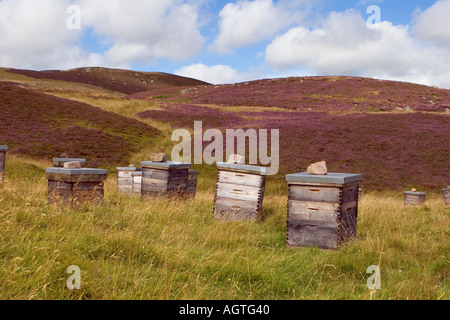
point(128, 249)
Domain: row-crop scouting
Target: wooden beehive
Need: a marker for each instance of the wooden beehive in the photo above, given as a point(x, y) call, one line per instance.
point(164, 179)
point(137, 181)
point(239, 192)
point(71, 187)
point(59, 162)
point(414, 198)
point(446, 192)
point(3, 150)
point(129, 179)
point(192, 182)
point(322, 210)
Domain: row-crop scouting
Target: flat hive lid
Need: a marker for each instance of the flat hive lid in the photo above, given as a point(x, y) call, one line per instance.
point(128, 169)
point(330, 178)
point(3, 148)
point(243, 167)
point(68, 160)
point(415, 193)
point(165, 165)
point(79, 172)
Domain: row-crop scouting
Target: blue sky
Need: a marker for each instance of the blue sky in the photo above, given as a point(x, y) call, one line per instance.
point(232, 41)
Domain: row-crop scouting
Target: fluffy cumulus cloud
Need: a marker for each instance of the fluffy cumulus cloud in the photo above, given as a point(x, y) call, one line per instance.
point(34, 33)
point(247, 22)
point(433, 25)
point(142, 31)
point(344, 45)
point(219, 74)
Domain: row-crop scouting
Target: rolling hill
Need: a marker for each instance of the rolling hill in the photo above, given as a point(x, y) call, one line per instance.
point(44, 126)
point(123, 81)
point(332, 94)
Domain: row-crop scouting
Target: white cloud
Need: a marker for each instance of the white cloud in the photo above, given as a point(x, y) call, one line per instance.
point(433, 24)
point(34, 33)
point(219, 74)
point(248, 22)
point(143, 31)
point(344, 45)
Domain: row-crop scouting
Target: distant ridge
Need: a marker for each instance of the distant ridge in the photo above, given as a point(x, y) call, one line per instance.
point(123, 81)
point(44, 126)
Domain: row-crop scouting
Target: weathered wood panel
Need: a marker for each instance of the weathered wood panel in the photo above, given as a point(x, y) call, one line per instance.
point(84, 194)
point(125, 184)
point(75, 178)
point(238, 192)
point(154, 184)
point(446, 193)
point(310, 207)
point(414, 198)
point(137, 182)
point(155, 174)
point(164, 182)
point(350, 192)
point(192, 183)
point(315, 193)
point(70, 188)
point(124, 174)
point(304, 234)
point(232, 209)
point(2, 166)
point(241, 178)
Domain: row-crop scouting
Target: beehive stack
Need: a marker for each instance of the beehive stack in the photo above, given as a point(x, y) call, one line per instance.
point(129, 179)
point(72, 187)
point(446, 192)
point(414, 198)
point(322, 209)
point(60, 162)
point(239, 192)
point(3, 150)
point(137, 181)
point(192, 183)
point(164, 179)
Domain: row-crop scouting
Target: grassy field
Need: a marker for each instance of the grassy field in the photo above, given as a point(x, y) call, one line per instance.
point(127, 249)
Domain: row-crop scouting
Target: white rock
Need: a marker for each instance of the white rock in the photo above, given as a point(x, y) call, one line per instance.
point(159, 157)
point(72, 165)
point(319, 168)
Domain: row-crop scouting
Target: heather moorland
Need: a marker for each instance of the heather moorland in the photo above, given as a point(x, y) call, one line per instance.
point(395, 134)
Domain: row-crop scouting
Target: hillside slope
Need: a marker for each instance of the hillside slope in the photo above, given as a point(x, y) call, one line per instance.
point(44, 126)
point(337, 94)
point(123, 81)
